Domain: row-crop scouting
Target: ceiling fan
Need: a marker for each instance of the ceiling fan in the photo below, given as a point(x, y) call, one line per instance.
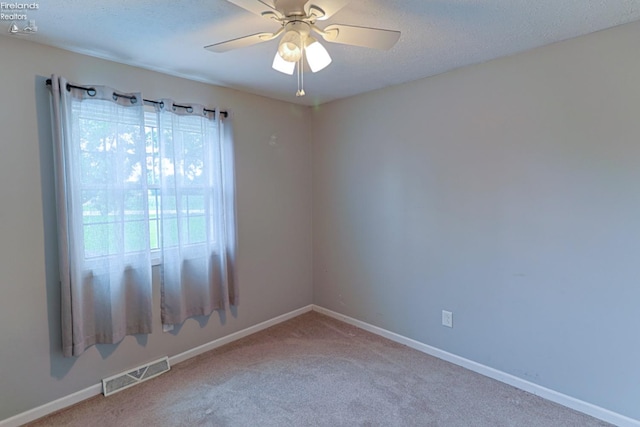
point(298, 22)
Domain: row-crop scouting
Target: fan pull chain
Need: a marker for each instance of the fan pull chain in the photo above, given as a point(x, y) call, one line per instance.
point(298, 76)
point(302, 74)
point(300, 91)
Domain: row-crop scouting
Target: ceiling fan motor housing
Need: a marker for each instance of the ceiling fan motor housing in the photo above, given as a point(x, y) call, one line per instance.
point(301, 27)
point(290, 8)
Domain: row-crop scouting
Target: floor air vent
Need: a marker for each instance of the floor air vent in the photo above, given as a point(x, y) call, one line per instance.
point(128, 379)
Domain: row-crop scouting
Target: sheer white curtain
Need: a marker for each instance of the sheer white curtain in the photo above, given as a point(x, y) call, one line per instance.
point(197, 212)
point(102, 209)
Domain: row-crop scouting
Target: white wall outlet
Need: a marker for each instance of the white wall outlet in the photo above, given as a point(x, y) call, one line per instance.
point(447, 318)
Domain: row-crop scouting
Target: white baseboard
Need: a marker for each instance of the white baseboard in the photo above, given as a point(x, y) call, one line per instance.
point(51, 407)
point(538, 390)
point(94, 390)
point(237, 335)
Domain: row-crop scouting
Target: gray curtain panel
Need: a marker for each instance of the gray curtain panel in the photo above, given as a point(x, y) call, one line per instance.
point(197, 227)
point(102, 209)
point(229, 203)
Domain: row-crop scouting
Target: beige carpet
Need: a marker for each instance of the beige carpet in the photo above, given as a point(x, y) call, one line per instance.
point(316, 371)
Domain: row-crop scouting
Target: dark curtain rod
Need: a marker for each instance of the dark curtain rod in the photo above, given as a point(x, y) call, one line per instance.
point(91, 91)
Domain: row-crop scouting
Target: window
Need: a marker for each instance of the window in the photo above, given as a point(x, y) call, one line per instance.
point(105, 143)
point(111, 180)
point(153, 177)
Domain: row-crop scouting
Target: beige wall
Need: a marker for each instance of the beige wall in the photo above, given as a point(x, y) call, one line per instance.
point(506, 192)
point(274, 217)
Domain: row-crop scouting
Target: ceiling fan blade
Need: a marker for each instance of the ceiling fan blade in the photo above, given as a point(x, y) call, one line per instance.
point(329, 7)
point(375, 38)
point(255, 6)
point(240, 42)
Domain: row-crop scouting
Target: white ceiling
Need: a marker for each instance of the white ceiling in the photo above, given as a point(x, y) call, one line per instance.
point(437, 36)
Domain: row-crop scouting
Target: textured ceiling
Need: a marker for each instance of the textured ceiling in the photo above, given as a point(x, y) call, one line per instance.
point(437, 36)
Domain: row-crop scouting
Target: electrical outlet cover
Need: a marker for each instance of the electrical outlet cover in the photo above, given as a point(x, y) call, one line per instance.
point(447, 318)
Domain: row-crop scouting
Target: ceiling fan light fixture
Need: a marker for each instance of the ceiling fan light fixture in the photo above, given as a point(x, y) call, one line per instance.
point(290, 47)
point(317, 56)
point(283, 66)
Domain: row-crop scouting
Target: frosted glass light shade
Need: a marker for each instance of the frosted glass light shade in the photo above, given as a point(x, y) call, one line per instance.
point(290, 47)
point(317, 56)
point(283, 66)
